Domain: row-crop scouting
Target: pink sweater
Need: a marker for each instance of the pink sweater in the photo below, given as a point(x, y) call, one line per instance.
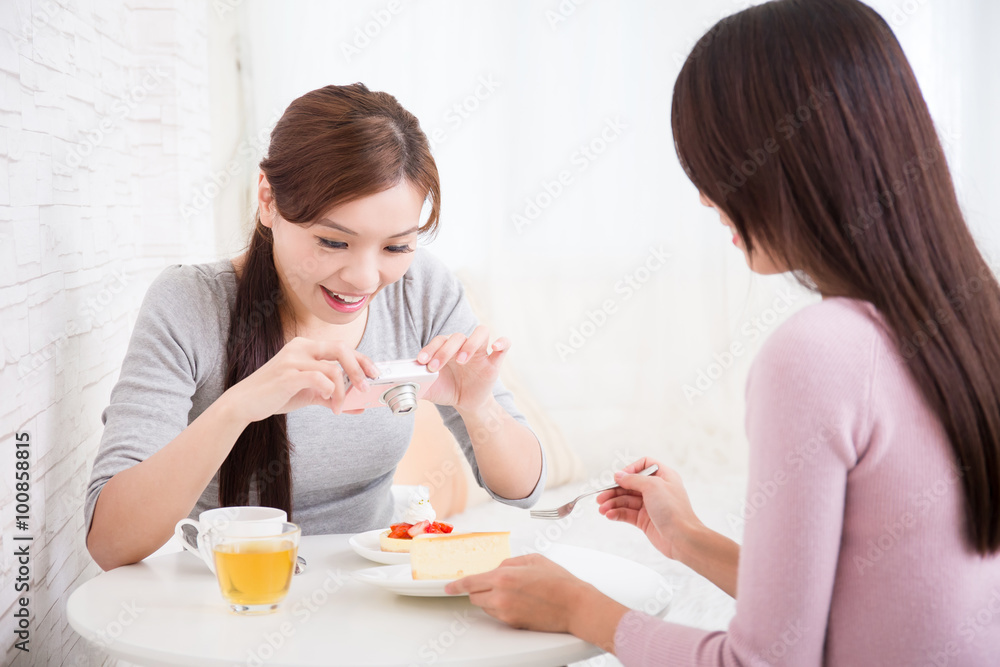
point(853, 552)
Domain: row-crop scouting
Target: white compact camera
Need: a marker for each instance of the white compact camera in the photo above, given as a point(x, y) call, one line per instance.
point(398, 388)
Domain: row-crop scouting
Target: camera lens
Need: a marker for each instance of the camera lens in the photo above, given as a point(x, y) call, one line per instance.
point(401, 399)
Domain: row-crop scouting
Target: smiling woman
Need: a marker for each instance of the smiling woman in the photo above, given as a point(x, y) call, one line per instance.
point(232, 387)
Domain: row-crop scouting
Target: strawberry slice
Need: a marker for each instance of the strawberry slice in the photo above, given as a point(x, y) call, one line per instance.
point(406, 531)
point(418, 528)
point(439, 527)
point(398, 531)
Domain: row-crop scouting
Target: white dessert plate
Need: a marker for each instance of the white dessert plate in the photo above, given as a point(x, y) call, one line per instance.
point(366, 545)
point(630, 583)
point(399, 579)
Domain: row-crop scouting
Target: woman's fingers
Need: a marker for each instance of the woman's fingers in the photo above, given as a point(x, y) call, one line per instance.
point(641, 484)
point(500, 347)
point(369, 367)
point(307, 372)
point(336, 375)
point(352, 369)
point(472, 584)
point(663, 472)
point(442, 349)
point(327, 351)
point(638, 466)
point(446, 352)
point(605, 496)
point(480, 599)
point(625, 515)
point(321, 383)
point(630, 502)
point(329, 388)
point(429, 350)
point(353, 364)
point(477, 341)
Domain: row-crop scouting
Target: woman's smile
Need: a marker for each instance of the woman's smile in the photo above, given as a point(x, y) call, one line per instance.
point(345, 303)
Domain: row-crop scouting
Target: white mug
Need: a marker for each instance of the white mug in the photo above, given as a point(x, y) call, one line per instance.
point(238, 521)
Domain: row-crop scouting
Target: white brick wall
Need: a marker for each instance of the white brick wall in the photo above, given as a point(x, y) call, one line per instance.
point(104, 132)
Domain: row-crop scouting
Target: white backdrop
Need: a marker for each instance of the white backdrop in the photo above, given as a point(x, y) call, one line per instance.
point(551, 129)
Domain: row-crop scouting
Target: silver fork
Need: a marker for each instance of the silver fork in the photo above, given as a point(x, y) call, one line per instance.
point(564, 510)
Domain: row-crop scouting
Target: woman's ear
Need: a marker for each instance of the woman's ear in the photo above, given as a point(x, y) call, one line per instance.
point(265, 201)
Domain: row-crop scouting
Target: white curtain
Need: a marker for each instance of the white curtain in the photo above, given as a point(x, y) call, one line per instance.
point(551, 129)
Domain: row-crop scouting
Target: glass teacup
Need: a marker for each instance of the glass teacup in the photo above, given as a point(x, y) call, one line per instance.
point(254, 570)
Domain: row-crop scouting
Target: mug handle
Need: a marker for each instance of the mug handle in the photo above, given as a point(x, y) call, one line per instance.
point(201, 551)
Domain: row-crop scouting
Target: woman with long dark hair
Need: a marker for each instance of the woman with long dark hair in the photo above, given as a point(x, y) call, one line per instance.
point(232, 386)
point(873, 417)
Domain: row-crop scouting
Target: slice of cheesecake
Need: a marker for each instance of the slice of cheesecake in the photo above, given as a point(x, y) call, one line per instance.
point(393, 544)
point(454, 556)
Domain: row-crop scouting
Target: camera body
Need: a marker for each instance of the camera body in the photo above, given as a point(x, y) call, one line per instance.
point(398, 388)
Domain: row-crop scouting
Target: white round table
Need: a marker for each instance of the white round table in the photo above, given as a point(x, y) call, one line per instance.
point(168, 610)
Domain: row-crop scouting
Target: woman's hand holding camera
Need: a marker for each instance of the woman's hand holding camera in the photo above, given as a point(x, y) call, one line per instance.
point(302, 373)
point(466, 369)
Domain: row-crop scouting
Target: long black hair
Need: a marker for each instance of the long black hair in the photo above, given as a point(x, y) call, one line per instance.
point(803, 122)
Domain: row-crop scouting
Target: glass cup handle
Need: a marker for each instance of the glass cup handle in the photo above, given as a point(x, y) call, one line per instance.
point(202, 551)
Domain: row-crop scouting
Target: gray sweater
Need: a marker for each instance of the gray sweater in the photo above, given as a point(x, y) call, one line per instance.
point(342, 465)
